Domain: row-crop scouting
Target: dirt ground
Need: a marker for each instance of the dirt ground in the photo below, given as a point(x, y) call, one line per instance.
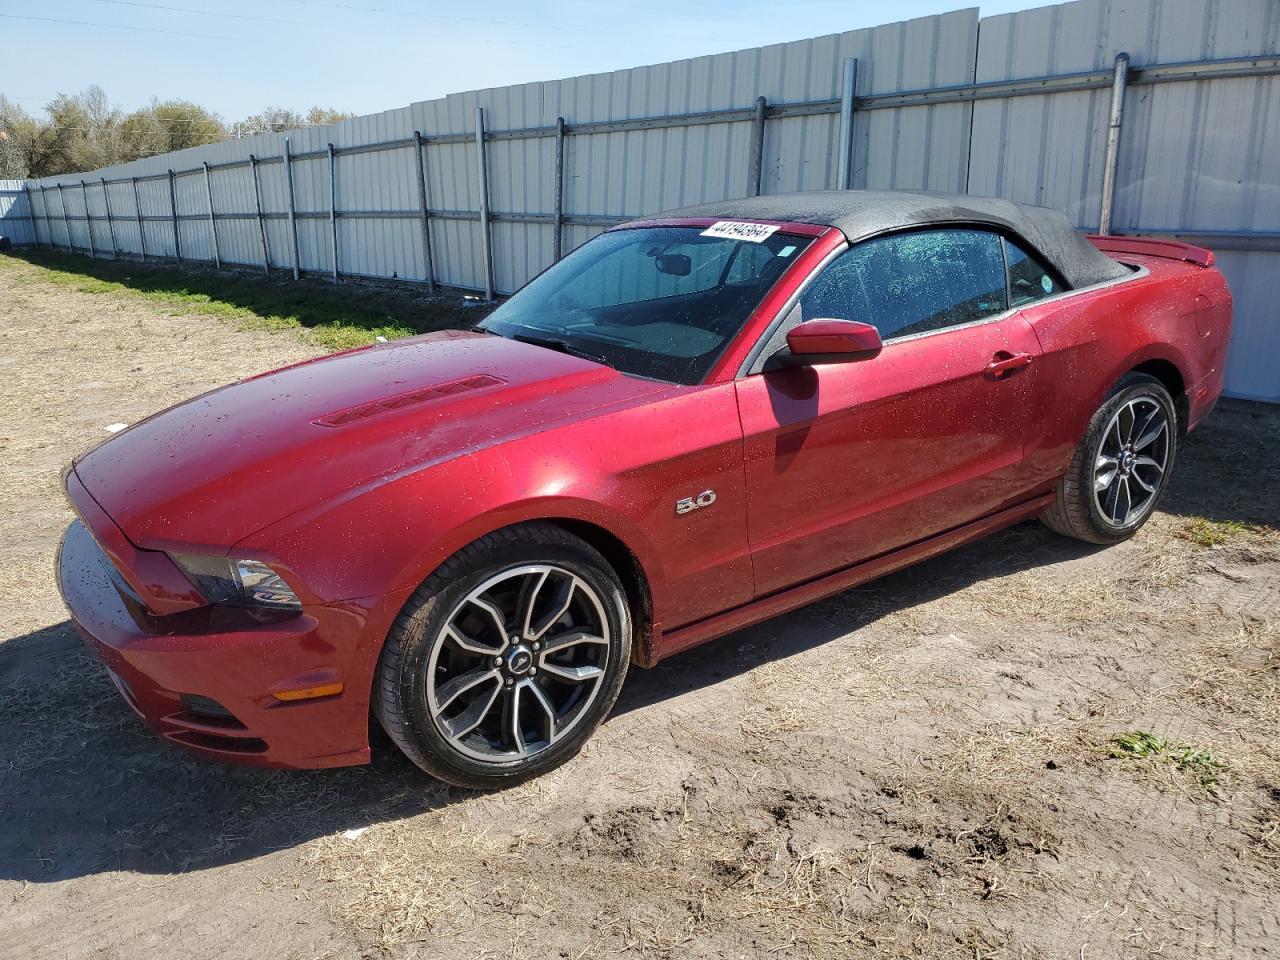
point(1027, 748)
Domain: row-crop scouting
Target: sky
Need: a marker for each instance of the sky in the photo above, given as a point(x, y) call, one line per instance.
point(361, 56)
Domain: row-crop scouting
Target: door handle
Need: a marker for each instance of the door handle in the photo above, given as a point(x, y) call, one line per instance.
point(1005, 363)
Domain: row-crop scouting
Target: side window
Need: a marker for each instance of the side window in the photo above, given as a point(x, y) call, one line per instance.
point(912, 283)
point(1029, 278)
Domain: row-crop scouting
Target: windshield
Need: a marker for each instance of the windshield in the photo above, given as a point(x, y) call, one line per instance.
point(657, 302)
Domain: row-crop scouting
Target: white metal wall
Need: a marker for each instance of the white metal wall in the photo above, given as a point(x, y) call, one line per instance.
point(1196, 157)
point(619, 174)
point(15, 213)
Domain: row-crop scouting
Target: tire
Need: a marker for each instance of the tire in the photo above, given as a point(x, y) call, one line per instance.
point(1085, 513)
point(445, 663)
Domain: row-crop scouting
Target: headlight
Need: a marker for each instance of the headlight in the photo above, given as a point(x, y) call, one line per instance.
point(228, 580)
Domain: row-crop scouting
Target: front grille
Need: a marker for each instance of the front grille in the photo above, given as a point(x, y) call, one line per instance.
point(206, 708)
point(210, 741)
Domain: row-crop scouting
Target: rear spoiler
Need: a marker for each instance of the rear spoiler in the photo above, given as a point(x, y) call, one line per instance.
point(1154, 247)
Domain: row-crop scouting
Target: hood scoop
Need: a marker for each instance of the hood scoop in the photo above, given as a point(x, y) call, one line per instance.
point(411, 398)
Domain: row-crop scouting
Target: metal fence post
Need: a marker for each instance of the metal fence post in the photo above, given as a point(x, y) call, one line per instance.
point(44, 212)
point(173, 216)
point(557, 247)
point(1118, 81)
point(31, 208)
point(262, 224)
point(333, 210)
point(66, 222)
point(111, 227)
point(293, 220)
point(485, 238)
point(137, 215)
point(424, 209)
point(756, 171)
point(844, 168)
point(213, 226)
point(88, 220)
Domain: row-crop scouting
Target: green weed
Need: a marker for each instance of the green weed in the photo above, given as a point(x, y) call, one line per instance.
point(1141, 745)
point(1214, 533)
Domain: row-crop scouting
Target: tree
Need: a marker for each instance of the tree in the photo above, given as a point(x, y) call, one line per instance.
point(84, 131)
point(270, 120)
point(318, 116)
point(184, 124)
point(280, 119)
point(165, 126)
point(60, 145)
point(80, 134)
point(17, 130)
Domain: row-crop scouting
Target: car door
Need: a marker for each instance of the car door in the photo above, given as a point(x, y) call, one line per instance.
point(845, 461)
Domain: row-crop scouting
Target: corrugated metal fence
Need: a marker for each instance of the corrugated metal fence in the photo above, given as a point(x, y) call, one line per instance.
point(16, 221)
point(482, 190)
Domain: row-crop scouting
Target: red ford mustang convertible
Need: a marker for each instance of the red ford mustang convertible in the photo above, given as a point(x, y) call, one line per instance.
point(688, 425)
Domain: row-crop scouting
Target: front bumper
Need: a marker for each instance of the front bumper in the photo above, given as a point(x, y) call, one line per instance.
point(227, 656)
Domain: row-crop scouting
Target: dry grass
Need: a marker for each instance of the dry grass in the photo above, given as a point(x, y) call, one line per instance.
point(691, 876)
point(777, 705)
point(38, 729)
point(1030, 595)
point(412, 884)
point(1235, 672)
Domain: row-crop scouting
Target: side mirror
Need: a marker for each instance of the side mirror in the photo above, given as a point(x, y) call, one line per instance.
point(831, 341)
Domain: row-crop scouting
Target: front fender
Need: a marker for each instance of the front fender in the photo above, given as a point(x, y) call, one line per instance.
point(547, 508)
point(390, 537)
point(623, 473)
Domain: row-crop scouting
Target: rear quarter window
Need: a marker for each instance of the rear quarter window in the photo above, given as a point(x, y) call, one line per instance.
point(1029, 278)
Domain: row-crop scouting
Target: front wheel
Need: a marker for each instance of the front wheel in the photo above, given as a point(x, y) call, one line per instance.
point(503, 663)
point(1122, 466)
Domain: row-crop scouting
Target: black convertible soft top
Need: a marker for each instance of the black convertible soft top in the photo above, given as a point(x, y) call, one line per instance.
point(864, 213)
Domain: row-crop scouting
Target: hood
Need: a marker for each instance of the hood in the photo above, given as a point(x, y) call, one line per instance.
point(211, 471)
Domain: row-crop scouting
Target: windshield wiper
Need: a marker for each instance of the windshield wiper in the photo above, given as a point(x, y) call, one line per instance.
point(564, 346)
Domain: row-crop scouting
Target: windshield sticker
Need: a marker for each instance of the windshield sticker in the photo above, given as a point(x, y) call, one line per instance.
point(1046, 284)
point(737, 230)
point(787, 251)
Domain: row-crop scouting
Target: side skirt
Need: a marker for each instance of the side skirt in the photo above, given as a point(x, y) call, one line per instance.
point(805, 593)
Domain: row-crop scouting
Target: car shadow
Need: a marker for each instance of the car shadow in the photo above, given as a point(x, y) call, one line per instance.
point(86, 789)
point(1023, 547)
point(1228, 471)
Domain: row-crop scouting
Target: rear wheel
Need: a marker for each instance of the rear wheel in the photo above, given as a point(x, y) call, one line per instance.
point(508, 657)
point(1122, 466)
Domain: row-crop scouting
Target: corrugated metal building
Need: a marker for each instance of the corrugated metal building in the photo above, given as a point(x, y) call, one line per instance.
point(1014, 105)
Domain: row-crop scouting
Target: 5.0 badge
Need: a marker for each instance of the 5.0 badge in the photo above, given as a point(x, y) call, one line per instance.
point(688, 504)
